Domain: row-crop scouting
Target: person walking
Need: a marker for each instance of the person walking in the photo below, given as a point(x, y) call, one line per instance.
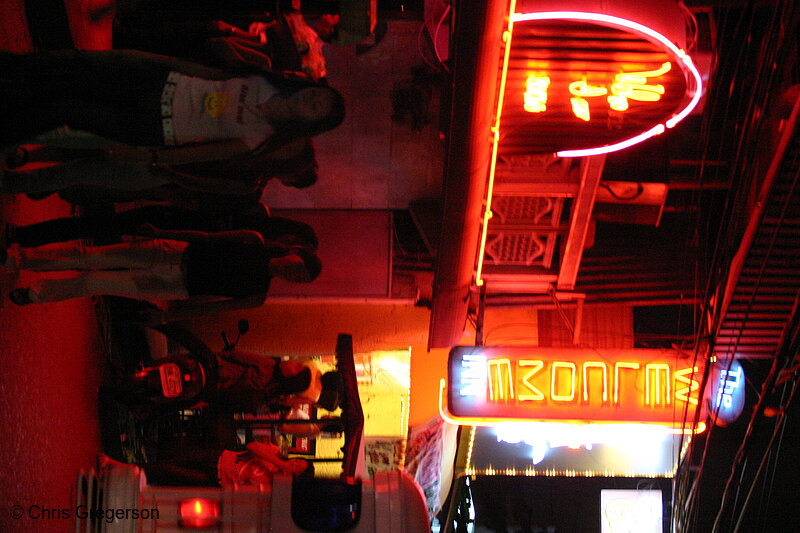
point(156, 110)
point(111, 227)
point(197, 272)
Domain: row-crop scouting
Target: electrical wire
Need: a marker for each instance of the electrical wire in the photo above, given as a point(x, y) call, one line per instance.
point(771, 443)
point(691, 22)
point(774, 468)
point(685, 495)
point(773, 375)
point(435, 38)
point(634, 196)
point(441, 66)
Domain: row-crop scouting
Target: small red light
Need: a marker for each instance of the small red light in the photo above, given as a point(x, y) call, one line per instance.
point(199, 513)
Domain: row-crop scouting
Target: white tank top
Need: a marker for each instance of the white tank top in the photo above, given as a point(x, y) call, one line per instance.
point(200, 110)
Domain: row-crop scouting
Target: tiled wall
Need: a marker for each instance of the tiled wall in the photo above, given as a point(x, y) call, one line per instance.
point(369, 162)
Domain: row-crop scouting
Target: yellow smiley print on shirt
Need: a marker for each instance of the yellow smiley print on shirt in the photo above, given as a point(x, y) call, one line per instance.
point(214, 103)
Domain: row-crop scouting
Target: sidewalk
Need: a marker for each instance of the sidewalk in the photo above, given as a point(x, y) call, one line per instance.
point(50, 356)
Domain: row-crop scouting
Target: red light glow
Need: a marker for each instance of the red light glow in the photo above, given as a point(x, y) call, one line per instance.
point(488, 385)
point(199, 513)
point(618, 102)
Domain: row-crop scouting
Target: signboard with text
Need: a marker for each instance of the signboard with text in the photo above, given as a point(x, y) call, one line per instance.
point(580, 83)
point(498, 383)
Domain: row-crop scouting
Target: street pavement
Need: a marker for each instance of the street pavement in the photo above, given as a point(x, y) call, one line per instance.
point(50, 355)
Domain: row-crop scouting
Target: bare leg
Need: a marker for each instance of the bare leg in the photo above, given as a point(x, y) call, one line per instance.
point(163, 284)
point(142, 255)
point(117, 175)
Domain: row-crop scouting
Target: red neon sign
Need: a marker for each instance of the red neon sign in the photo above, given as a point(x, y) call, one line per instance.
point(572, 385)
point(593, 83)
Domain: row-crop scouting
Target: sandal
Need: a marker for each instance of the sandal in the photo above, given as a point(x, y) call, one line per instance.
point(17, 157)
point(21, 296)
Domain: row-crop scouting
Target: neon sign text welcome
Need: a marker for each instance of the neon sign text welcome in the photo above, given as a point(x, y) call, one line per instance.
point(650, 386)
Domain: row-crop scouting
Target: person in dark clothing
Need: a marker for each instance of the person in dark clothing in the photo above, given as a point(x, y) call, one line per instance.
point(142, 99)
point(241, 381)
point(250, 382)
point(111, 227)
point(42, 169)
point(198, 272)
point(280, 41)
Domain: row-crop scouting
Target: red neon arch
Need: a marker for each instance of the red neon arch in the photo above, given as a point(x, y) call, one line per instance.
point(650, 34)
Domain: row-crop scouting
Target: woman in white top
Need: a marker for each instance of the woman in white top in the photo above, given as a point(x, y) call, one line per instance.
point(163, 111)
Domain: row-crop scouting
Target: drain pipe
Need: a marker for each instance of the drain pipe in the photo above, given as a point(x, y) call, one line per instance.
point(476, 50)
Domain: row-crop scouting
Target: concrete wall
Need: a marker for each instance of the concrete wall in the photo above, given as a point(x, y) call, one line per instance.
point(311, 328)
point(369, 162)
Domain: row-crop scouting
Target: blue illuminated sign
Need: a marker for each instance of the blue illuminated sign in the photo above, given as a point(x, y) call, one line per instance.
point(727, 392)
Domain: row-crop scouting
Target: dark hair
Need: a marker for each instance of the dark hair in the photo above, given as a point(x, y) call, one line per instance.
point(257, 167)
point(306, 157)
point(310, 260)
point(304, 179)
point(294, 384)
point(276, 228)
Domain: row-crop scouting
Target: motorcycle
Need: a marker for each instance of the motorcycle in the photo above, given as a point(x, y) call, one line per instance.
point(177, 380)
point(148, 403)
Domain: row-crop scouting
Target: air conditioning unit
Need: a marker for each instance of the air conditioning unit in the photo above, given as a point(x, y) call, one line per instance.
point(630, 202)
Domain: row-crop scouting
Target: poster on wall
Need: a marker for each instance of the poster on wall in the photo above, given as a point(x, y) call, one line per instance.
point(631, 510)
point(303, 445)
point(383, 453)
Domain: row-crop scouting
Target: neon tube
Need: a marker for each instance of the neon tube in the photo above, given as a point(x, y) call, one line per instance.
point(444, 412)
point(640, 28)
point(656, 130)
point(487, 214)
point(584, 152)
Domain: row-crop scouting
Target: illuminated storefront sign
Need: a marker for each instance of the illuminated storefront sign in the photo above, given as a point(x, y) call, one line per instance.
point(727, 392)
point(578, 385)
point(594, 82)
point(630, 510)
point(621, 88)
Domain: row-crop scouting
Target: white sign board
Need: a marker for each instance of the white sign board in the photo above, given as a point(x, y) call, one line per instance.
point(630, 511)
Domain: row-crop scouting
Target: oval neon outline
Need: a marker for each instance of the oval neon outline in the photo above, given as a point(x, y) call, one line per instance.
point(640, 28)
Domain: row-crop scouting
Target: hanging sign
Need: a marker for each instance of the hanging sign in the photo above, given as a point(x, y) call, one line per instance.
point(497, 384)
point(727, 392)
point(581, 83)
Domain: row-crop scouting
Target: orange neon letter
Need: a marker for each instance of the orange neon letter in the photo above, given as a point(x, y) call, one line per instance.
point(501, 384)
point(580, 90)
point(634, 85)
point(535, 97)
point(685, 393)
point(534, 394)
point(594, 364)
point(553, 386)
point(654, 371)
point(622, 365)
